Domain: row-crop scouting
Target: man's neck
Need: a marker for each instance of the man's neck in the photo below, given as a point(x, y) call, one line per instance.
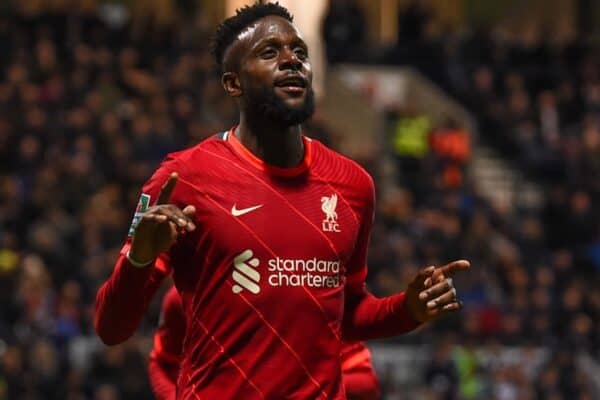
point(278, 146)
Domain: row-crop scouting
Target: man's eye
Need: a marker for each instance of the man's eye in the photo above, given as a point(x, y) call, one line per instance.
point(301, 53)
point(268, 53)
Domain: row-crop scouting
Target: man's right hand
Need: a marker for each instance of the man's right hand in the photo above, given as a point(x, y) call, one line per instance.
point(160, 226)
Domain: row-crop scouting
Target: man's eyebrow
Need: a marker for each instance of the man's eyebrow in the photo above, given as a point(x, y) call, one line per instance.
point(265, 40)
point(273, 40)
point(300, 42)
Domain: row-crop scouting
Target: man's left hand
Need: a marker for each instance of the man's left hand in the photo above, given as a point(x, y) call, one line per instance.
point(432, 293)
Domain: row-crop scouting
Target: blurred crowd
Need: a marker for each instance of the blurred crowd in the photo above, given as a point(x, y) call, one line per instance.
point(89, 106)
point(535, 94)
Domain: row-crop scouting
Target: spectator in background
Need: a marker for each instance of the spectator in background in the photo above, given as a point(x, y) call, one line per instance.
point(453, 148)
point(412, 21)
point(441, 375)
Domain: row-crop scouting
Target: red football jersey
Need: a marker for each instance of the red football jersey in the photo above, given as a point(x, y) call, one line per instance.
point(274, 270)
point(358, 373)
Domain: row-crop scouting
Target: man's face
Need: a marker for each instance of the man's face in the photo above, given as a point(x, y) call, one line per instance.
point(275, 72)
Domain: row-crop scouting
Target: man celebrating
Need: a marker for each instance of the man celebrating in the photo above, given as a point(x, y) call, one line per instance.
point(267, 233)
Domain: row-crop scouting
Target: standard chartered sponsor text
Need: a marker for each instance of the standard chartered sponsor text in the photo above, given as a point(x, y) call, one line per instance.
point(298, 272)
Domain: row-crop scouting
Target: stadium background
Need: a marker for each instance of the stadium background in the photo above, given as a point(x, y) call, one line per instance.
point(480, 121)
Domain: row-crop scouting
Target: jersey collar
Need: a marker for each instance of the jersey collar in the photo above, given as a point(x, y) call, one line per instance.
point(263, 166)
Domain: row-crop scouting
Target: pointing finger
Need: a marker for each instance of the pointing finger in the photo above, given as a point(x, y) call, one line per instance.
point(450, 269)
point(167, 189)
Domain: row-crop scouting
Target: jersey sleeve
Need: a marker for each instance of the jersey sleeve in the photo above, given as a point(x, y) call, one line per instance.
point(366, 316)
point(357, 266)
point(164, 360)
point(168, 339)
point(123, 299)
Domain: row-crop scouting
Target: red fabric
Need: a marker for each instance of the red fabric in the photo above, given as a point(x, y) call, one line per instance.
point(368, 317)
point(122, 301)
point(255, 286)
point(163, 376)
point(163, 366)
point(358, 374)
point(168, 339)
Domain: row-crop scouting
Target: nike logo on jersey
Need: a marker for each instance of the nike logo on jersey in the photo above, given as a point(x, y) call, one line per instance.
point(237, 212)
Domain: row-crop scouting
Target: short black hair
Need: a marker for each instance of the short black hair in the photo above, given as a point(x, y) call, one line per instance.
point(229, 29)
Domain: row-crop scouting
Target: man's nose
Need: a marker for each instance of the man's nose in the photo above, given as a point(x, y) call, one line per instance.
point(289, 60)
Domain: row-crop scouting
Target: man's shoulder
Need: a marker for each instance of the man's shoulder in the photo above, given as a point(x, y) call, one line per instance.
point(338, 167)
point(200, 152)
point(199, 161)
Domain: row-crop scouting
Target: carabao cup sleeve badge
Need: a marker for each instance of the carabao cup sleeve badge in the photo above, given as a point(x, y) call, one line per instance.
point(142, 206)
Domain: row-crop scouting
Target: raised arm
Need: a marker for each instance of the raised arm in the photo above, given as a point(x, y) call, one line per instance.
point(123, 299)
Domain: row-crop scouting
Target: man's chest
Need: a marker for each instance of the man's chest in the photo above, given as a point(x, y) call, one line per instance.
point(261, 243)
point(299, 219)
point(260, 235)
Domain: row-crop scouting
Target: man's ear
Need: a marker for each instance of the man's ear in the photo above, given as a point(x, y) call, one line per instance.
point(231, 84)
